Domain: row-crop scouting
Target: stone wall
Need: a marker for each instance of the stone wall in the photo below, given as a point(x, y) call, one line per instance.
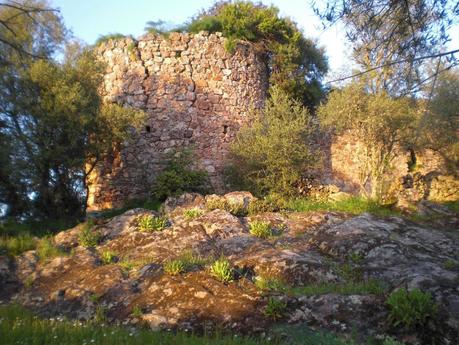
point(195, 94)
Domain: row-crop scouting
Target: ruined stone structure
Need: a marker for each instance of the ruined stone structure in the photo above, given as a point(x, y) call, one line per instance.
point(195, 94)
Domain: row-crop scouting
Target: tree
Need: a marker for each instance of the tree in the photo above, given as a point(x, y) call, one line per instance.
point(53, 122)
point(390, 37)
point(271, 154)
point(295, 63)
point(380, 125)
point(440, 123)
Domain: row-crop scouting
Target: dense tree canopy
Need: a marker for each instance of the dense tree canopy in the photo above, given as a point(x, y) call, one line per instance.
point(295, 63)
point(54, 125)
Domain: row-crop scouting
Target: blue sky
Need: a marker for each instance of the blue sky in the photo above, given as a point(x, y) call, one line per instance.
point(88, 19)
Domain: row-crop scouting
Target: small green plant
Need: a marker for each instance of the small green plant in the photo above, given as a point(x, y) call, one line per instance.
point(100, 315)
point(391, 341)
point(270, 283)
point(88, 236)
point(28, 282)
point(47, 250)
point(150, 223)
point(275, 309)
point(258, 206)
point(410, 308)
point(107, 257)
point(137, 311)
point(94, 298)
point(450, 264)
point(193, 213)
point(221, 269)
point(174, 267)
point(260, 229)
point(218, 203)
point(108, 37)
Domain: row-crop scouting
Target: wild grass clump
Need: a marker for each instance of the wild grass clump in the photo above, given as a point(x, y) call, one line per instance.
point(112, 36)
point(16, 245)
point(46, 249)
point(221, 270)
point(353, 205)
point(275, 309)
point(107, 257)
point(218, 203)
point(174, 267)
point(193, 213)
point(270, 283)
point(89, 237)
point(411, 308)
point(184, 263)
point(151, 223)
point(371, 286)
point(260, 229)
point(148, 204)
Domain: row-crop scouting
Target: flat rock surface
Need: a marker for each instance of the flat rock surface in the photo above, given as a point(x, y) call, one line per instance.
point(309, 248)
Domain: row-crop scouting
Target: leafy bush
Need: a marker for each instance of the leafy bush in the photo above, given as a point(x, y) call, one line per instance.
point(296, 64)
point(222, 270)
point(260, 229)
point(258, 206)
point(174, 267)
point(193, 213)
point(178, 177)
point(236, 209)
point(88, 236)
point(47, 250)
point(410, 308)
point(271, 154)
point(275, 309)
point(107, 257)
point(380, 124)
point(150, 223)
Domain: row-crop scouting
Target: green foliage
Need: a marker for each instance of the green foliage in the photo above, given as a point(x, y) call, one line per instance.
point(221, 269)
point(100, 315)
point(40, 228)
point(371, 286)
point(89, 237)
point(266, 204)
point(380, 124)
point(19, 326)
point(107, 257)
point(46, 249)
point(148, 204)
point(410, 308)
point(275, 308)
point(151, 223)
point(193, 213)
point(137, 311)
point(218, 203)
point(450, 264)
point(108, 37)
point(16, 245)
point(271, 154)
point(60, 135)
point(391, 341)
point(174, 267)
point(296, 65)
point(270, 283)
point(353, 205)
point(178, 177)
point(260, 229)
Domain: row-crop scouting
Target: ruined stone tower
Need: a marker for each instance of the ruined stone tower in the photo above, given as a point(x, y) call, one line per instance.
point(195, 94)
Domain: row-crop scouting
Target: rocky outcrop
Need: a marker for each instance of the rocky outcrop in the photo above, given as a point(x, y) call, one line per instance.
point(308, 250)
point(195, 95)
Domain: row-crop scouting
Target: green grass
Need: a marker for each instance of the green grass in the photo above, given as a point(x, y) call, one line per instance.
point(107, 257)
point(36, 228)
point(184, 263)
point(452, 205)
point(46, 249)
point(16, 245)
point(275, 308)
point(221, 270)
point(353, 205)
point(260, 229)
point(19, 326)
point(193, 213)
point(150, 223)
point(89, 237)
point(372, 287)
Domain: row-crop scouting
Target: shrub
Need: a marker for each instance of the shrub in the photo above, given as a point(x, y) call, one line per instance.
point(107, 257)
point(222, 270)
point(270, 283)
point(275, 309)
point(410, 308)
point(88, 236)
point(258, 206)
point(150, 223)
point(193, 213)
point(47, 250)
point(380, 124)
point(178, 177)
point(105, 38)
point(236, 209)
point(137, 311)
point(260, 229)
point(174, 267)
point(271, 154)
